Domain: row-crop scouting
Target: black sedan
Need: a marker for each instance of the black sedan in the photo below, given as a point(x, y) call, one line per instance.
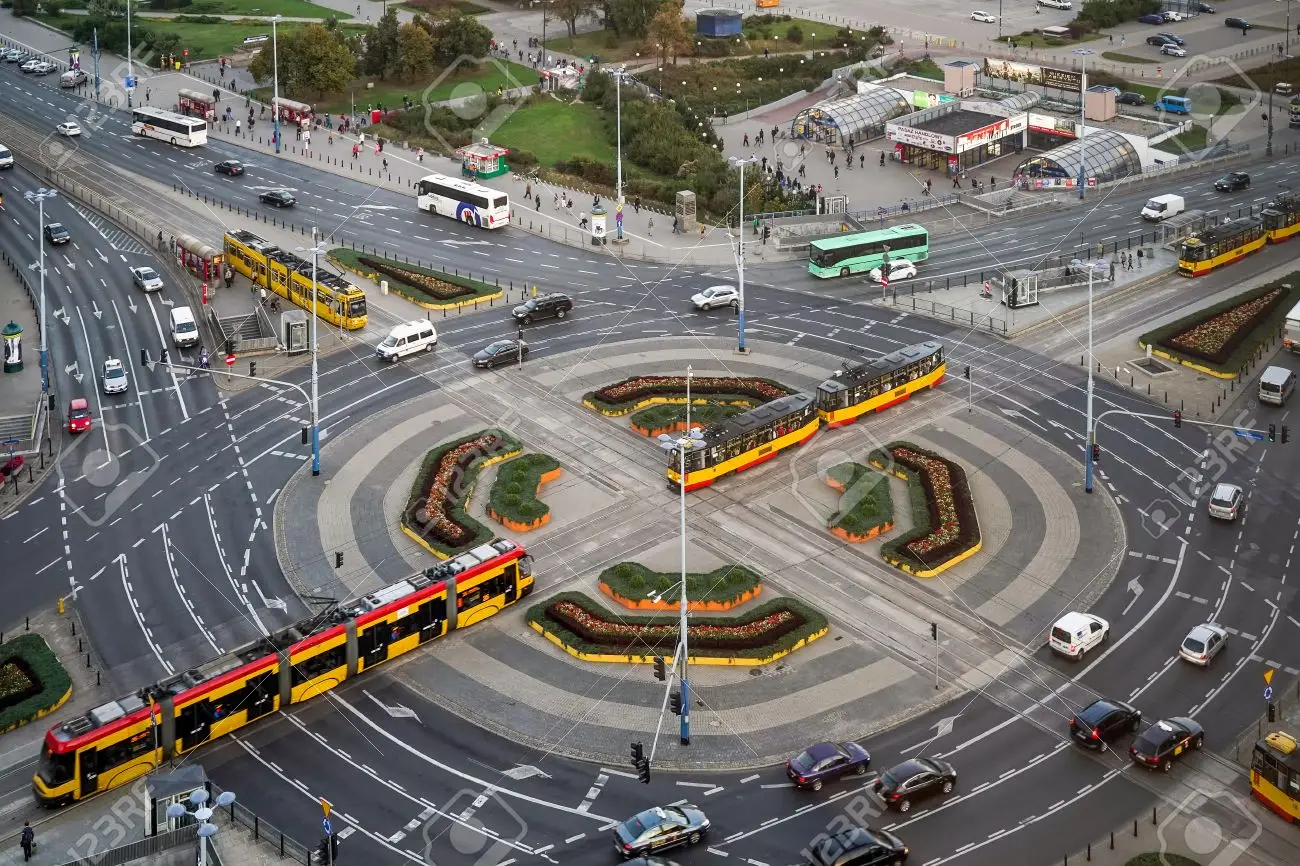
point(1129, 97)
point(1166, 740)
point(659, 828)
point(915, 780)
point(277, 197)
point(232, 167)
point(1102, 722)
point(55, 233)
point(500, 352)
point(826, 762)
point(858, 845)
point(1233, 181)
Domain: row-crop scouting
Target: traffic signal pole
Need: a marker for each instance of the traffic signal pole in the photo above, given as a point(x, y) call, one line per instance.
point(1244, 432)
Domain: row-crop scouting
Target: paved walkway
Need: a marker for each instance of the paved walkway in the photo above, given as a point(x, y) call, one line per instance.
point(503, 676)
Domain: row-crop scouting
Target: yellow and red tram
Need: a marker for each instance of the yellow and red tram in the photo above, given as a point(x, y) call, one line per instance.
point(117, 742)
point(1281, 217)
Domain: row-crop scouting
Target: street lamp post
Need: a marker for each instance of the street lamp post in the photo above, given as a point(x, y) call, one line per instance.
point(686, 442)
point(316, 251)
point(740, 259)
point(1090, 432)
point(39, 196)
point(202, 813)
point(130, 79)
point(618, 160)
point(1083, 117)
point(999, 20)
point(275, 97)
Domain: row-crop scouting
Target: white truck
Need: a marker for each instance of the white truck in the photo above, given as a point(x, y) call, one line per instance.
point(1291, 337)
point(1162, 207)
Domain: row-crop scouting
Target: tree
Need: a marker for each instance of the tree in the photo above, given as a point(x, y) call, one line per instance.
point(105, 10)
point(414, 53)
point(165, 43)
point(313, 63)
point(569, 11)
point(381, 45)
point(668, 30)
point(630, 19)
point(460, 36)
point(25, 7)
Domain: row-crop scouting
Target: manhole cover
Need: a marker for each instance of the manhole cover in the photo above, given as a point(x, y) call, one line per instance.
point(754, 672)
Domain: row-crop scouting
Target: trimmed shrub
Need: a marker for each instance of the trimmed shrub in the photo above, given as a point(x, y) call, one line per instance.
point(32, 682)
point(1226, 335)
point(435, 509)
point(632, 581)
point(514, 493)
point(627, 395)
point(866, 505)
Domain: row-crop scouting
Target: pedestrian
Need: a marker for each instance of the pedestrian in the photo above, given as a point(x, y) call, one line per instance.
point(702, 226)
point(746, 140)
point(528, 187)
point(1112, 39)
point(650, 228)
point(956, 182)
point(385, 165)
point(837, 172)
point(419, 155)
point(929, 184)
point(28, 840)
point(1264, 118)
point(538, 201)
point(993, 183)
point(1140, 256)
point(582, 220)
point(236, 129)
point(636, 205)
point(882, 159)
point(297, 133)
point(355, 150)
point(147, 93)
point(862, 160)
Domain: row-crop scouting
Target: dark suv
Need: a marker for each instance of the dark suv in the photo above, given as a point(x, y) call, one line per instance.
point(1102, 722)
point(552, 306)
point(859, 846)
point(1233, 181)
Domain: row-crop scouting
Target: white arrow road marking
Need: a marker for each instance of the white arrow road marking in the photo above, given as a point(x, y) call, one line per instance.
point(942, 728)
point(103, 258)
point(130, 302)
point(524, 771)
point(273, 603)
point(144, 422)
point(71, 266)
point(99, 404)
point(397, 711)
point(176, 385)
point(468, 243)
point(99, 314)
point(1135, 587)
point(62, 315)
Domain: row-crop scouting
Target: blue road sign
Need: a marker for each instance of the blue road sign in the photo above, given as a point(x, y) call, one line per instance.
point(1250, 434)
point(1268, 693)
point(329, 831)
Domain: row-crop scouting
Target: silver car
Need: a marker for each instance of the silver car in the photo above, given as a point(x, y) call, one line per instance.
point(114, 376)
point(1227, 501)
point(146, 278)
point(1203, 643)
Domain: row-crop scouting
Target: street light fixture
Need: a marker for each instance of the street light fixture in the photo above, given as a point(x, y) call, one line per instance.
point(316, 250)
point(740, 259)
point(1083, 117)
point(618, 139)
point(275, 99)
point(202, 813)
point(130, 79)
point(39, 196)
point(1090, 432)
point(688, 440)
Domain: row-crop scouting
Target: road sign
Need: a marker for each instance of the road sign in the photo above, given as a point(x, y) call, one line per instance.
point(205, 293)
point(326, 805)
point(325, 824)
point(230, 360)
point(1268, 676)
point(1249, 434)
point(1268, 693)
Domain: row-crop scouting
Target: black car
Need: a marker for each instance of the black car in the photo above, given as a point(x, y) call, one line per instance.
point(1166, 740)
point(1102, 722)
point(1169, 37)
point(1237, 23)
point(1128, 97)
point(1158, 41)
point(1232, 181)
point(659, 828)
point(1206, 9)
point(826, 762)
point(551, 306)
point(277, 197)
point(55, 233)
point(859, 846)
point(914, 780)
point(232, 167)
point(500, 352)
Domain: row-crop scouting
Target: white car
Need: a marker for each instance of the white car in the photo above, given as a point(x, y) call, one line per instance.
point(1076, 633)
point(45, 67)
point(1171, 16)
point(30, 65)
point(1203, 643)
point(1056, 4)
point(114, 376)
point(1226, 501)
point(716, 296)
point(899, 269)
point(1173, 50)
point(985, 17)
point(68, 128)
point(146, 278)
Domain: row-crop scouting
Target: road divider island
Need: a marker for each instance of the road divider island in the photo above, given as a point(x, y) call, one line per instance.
point(657, 404)
point(426, 288)
point(945, 529)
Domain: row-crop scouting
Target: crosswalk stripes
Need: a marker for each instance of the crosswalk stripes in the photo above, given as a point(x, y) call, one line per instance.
point(117, 239)
point(291, 455)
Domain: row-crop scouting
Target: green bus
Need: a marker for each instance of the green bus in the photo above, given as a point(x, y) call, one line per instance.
point(856, 253)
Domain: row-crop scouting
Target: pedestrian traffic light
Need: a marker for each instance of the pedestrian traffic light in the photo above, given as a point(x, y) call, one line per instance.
point(643, 771)
point(1178, 418)
point(338, 559)
point(675, 703)
point(252, 368)
point(1096, 453)
point(638, 752)
point(661, 670)
point(1272, 432)
point(967, 374)
point(144, 357)
point(1286, 434)
point(304, 435)
point(934, 631)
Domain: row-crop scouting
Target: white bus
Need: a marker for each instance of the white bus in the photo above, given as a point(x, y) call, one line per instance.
point(169, 126)
point(461, 200)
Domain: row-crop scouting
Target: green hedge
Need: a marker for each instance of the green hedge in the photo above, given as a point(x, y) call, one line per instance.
point(813, 622)
point(35, 653)
point(633, 581)
point(922, 515)
point(479, 534)
point(665, 415)
point(514, 493)
point(750, 390)
point(1261, 333)
point(351, 259)
point(866, 502)
point(1161, 859)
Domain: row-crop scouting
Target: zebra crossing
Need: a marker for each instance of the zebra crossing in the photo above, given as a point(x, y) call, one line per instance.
point(117, 238)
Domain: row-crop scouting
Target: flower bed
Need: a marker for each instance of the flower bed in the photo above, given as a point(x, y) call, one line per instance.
point(945, 527)
point(586, 629)
point(32, 682)
point(633, 585)
point(632, 394)
point(866, 508)
point(671, 417)
point(435, 512)
point(513, 501)
point(1222, 338)
point(420, 285)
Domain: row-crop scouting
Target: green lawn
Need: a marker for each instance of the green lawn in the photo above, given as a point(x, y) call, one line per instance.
point(487, 75)
point(1038, 40)
point(425, 7)
point(1193, 139)
point(554, 131)
point(817, 36)
point(1116, 57)
point(204, 41)
point(268, 8)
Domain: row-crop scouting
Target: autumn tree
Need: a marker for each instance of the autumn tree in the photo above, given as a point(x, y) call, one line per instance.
point(668, 30)
point(569, 11)
point(414, 58)
point(459, 36)
point(313, 63)
point(630, 19)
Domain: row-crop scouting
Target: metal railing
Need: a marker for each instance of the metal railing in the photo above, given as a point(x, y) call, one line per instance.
point(140, 848)
point(950, 313)
point(263, 831)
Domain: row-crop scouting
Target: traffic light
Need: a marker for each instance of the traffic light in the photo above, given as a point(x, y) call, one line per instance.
point(1272, 432)
point(338, 559)
point(144, 357)
point(675, 703)
point(1272, 712)
point(1178, 418)
point(967, 374)
point(230, 347)
point(638, 752)
point(162, 356)
point(1286, 434)
point(252, 368)
point(334, 847)
point(661, 670)
point(934, 631)
point(643, 771)
point(304, 435)
point(1096, 453)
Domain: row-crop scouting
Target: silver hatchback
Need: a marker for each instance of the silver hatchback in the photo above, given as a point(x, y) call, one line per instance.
point(1203, 643)
point(1226, 501)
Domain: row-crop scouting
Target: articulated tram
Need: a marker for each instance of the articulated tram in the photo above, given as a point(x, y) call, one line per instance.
point(120, 741)
point(337, 301)
point(1282, 217)
point(760, 434)
point(1221, 245)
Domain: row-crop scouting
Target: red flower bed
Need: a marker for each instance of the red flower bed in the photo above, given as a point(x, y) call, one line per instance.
point(440, 512)
point(952, 528)
point(639, 388)
point(1215, 338)
point(651, 634)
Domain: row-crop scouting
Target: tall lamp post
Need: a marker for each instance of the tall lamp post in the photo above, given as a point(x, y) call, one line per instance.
point(1083, 118)
point(316, 251)
point(130, 79)
point(202, 813)
point(618, 159)
point(686, 442)
point(39, 196)
point(275, 97)
point(999, 20)
point(740, 258)
point(1090, 432)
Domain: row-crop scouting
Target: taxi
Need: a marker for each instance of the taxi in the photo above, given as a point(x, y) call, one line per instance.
point(79, 417)
point(1166, 740)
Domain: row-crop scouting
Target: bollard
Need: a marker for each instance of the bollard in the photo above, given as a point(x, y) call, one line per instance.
point(1180, 405)
point(97, 677)
point(1089, 852)
point(87, 661)
point(1135, 828)
point(74, 629)
point(1080, 360)
point(1148, 389)
point(1112, 840)
point(1154, 822)
point(27, 623)
point(80, 648)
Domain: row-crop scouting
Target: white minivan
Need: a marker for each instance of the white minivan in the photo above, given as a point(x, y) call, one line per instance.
point(185, 331)
point(407, 339)
point(6, 157)
point(1276, 385)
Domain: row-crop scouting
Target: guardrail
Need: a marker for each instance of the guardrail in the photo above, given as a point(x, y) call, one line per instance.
point(264, 832)
point(953, 314)
point(145, 847)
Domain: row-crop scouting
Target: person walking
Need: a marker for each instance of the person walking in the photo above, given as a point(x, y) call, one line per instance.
point(237, 129)
point(28, 840)
point(650, 228)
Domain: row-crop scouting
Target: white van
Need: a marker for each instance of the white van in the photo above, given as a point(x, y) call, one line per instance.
point(72, 78)
point(185, 331)
point(1162, 207)
point(1276, 385)
point(6, 157)
point(407, 339)
point(1076, 633)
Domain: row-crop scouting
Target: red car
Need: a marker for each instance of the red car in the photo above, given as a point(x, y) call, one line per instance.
point(79, 417)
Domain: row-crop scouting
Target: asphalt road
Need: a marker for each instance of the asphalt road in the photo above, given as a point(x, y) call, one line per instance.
point(168, 591)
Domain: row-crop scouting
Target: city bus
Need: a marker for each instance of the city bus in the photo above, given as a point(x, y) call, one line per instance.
point(1275, 774)
point(169, 126)
point(337, 301)
point(1281, 217)
point(862, 251)
point(879, 384)
point(459, 199)
point(1221, 245)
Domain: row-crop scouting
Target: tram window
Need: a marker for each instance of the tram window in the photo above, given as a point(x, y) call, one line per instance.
point(55, 769)
point(321, 663)
point(469, 598)
point(125, 750)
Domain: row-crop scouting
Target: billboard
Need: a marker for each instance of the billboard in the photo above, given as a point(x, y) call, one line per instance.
point(923, 138)
point(1028, 73)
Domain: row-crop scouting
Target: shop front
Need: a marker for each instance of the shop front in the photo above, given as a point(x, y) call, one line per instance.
point(954, 141)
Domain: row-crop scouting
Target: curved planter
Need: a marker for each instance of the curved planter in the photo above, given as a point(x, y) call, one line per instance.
point(854, 537)
point(722, 661)
point(939, 569)
point(670, 606)
point(519, 525)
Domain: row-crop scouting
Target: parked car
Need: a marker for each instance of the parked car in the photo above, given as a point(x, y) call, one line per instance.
point(17, 55)
point(1152, 18)
point(1169, 49)
point(914, 780)
point(549, 306)
point(1102, 722)
point(659, 828)
point(826, 762)
point(984, 17)
point(1158, 41)
point(1206, 9)
point(858, 846)
point(1226, 501)
point(500, 352)
point(1171, 16)
point(1056, 4)
point(146, 278)
point(1128, 97)
point(232, 167)
point(1233, 181)
point(1283, 88)
point(716, 296)
point(79, 417)
point(277, 197)
point(29, 65)
point(68, 128)
point(114, 376)
point(45, 67)
point(1165, 740)
point(1203, 643)
point(1169, 37)
point(55, 233)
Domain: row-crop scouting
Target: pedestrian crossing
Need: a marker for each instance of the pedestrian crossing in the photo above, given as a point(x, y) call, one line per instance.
point(117, 238)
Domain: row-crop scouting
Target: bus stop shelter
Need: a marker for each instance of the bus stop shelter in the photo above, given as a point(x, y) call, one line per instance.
point(196, 104)
point(198, 258)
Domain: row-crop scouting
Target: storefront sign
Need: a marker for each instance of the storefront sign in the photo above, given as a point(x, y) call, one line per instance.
point(1062, 126)
point(911, 135)
point(993, 132)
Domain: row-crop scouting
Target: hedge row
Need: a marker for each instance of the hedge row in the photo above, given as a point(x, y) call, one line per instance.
point(31, 655)
point(459, 488)
point(764, 642)
point(624, 396)
point(632, 581)
point(413, 282)
point(1249, 336)
point(514, 493)
point(866, 503)
point(666, 415)
point(925, 508)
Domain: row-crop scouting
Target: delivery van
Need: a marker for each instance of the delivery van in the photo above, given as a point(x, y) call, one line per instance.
point(1276, 385)
point(6, 157)
point(185, 331)
point(407, 339)
point(1162, 207)
point(1291, 332)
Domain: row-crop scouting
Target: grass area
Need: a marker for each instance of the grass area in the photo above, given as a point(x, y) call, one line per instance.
point(633, 581)
point(922, 68)
point(663, 416)
point(488, 76)
point(553, 131)
point(1116, 57)
point(1039, 40)
point(425, 7)
point(287, 8)
point(1161, 859)
point(1266, 76)
point(204, 41)
point(1194, 138)
point(761, 33)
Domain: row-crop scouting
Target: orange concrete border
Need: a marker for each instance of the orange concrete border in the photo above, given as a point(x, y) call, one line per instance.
point(519, 526)
point(651, 604)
